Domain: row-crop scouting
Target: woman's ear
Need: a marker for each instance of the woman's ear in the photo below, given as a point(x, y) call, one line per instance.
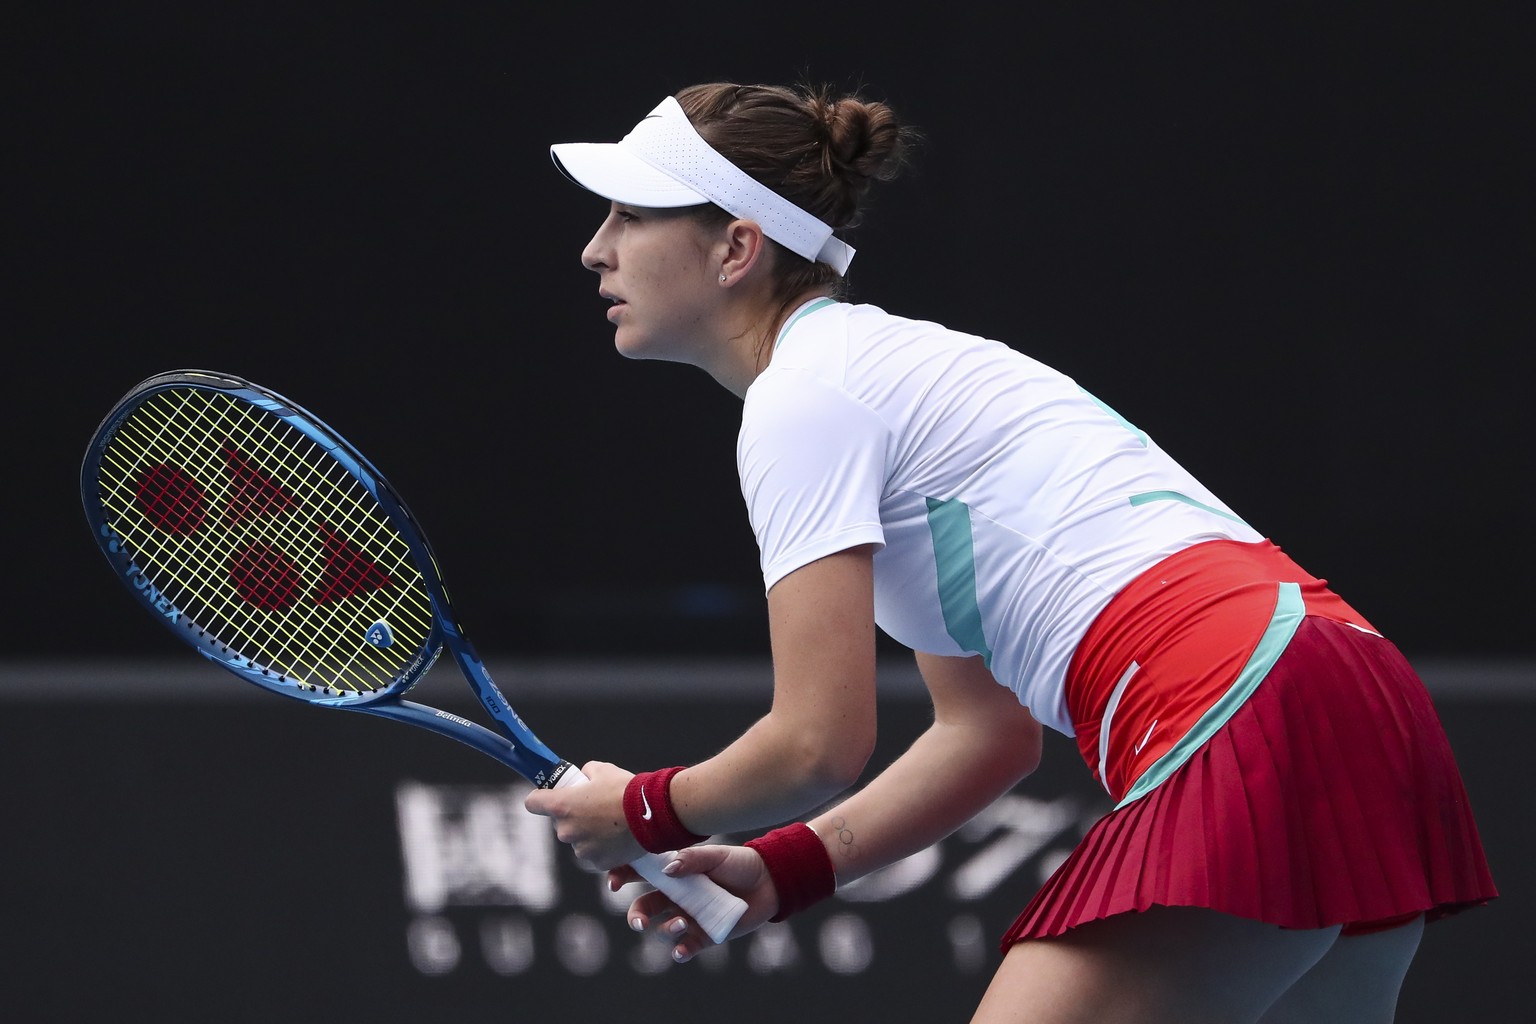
point(743, 243)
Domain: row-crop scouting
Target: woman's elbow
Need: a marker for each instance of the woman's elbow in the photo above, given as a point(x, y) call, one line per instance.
point(1027, 746)
point(831, 766)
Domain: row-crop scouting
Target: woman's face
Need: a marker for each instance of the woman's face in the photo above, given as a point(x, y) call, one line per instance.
point(658, 271)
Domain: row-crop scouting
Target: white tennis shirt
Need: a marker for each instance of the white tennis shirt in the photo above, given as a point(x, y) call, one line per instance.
point(1008, 504)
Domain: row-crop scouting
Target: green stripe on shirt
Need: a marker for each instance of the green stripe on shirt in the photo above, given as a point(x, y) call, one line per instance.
point(954, 554)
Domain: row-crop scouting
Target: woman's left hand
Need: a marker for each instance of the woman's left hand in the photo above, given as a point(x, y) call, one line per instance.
point(736, 869)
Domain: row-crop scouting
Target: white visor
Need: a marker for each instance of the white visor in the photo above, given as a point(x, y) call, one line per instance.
point(665, 163)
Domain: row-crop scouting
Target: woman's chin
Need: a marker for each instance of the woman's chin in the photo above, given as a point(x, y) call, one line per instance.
point(629, 348)
point(632, 346)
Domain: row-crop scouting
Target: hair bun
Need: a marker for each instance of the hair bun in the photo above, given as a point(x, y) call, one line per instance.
point(865, 137)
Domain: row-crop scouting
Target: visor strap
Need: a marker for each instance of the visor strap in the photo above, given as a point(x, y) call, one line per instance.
point(654, 140)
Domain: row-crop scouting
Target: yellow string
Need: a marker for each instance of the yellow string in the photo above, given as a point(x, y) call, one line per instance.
point(321, 645)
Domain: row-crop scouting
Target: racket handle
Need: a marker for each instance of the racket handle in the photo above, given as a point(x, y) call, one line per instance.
point(714, 909)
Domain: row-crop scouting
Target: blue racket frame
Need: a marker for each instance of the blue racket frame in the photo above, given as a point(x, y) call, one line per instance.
point(518, 749)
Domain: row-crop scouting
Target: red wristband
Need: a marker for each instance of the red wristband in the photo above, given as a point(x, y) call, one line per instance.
point(648, 809)
point(801, 870)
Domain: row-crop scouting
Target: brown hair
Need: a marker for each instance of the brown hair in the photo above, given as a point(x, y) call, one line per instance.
point(816, 149)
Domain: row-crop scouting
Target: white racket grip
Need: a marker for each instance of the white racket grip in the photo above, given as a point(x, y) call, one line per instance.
point(714, 909)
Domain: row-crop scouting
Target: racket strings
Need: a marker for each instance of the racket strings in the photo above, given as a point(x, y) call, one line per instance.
point(265, 539)
point(198, 456)
point(275, 561)
point(263, 461)
point(259, 566)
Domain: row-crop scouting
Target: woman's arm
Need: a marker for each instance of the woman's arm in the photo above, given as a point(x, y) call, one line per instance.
point(982, 743)
point(811, 745)
point(820, 731)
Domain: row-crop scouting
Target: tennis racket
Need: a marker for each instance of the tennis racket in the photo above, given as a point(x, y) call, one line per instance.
point(256, 534)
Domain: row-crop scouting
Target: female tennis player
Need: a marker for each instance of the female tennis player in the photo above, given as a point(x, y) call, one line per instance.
point(1287, 810)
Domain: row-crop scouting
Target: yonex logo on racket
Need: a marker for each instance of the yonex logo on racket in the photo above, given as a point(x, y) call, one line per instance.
point(380, 635)
point(158, 601)
point(265, 575)
point(134, 574)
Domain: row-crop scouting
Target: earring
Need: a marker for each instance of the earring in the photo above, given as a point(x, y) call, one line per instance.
point(722, 279)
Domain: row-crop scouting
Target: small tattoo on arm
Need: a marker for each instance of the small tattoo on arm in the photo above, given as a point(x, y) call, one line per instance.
point(845, 844)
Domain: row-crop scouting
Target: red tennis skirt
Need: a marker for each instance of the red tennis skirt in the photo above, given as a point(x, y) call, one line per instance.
point(1330, 797)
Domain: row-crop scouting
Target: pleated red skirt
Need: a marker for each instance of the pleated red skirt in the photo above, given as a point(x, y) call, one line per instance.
point(1330, 797)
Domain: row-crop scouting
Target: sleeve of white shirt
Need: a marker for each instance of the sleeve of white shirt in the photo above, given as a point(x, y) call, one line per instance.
point(812, 461)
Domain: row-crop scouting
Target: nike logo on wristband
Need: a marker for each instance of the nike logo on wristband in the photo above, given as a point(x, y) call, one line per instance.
point(646, 804)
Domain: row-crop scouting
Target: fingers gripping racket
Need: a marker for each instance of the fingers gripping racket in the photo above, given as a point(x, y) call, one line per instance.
point(258, 535)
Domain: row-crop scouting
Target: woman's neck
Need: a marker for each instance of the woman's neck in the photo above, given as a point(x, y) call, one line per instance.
point(750, 348)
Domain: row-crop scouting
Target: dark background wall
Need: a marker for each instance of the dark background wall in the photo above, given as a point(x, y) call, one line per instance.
point(1292, 243)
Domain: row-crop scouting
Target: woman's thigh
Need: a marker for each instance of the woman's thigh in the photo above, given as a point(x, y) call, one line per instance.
point(1175, 964)
point(1358, 981)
